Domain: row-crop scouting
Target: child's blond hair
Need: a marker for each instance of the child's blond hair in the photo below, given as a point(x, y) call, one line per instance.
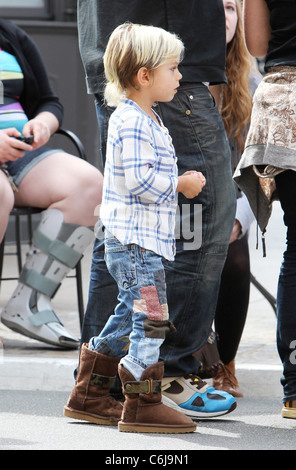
point(132, 46)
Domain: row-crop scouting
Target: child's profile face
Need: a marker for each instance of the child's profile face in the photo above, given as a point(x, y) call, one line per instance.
point(165, 81)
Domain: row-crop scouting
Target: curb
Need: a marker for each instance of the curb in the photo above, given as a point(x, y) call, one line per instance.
point(56, 374)
point(44, 374)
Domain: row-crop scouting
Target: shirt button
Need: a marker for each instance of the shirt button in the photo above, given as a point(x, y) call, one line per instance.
point(191, 97)
point(188, 112)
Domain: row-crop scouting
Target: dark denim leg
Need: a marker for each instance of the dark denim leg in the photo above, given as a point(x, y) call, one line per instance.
point(102, 296)
point(193, 278)
point(103, 291)
point(286, 296)
point(103, 114)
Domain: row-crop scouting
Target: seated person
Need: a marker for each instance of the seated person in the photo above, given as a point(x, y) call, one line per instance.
point(67, 187)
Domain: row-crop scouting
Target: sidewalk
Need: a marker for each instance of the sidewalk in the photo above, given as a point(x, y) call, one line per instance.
point(30, 365)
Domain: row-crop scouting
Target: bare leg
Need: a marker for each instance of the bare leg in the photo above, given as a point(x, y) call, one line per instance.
point(63, 182)
point(6, 204)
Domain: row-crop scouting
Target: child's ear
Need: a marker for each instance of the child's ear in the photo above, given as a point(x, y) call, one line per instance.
point(144, 77)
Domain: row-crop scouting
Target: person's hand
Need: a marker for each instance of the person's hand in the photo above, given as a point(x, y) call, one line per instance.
point(39, 129)
point(11, 149)
point(42, 127)
point(236, 231)
point(191, 183)
point(197, 174)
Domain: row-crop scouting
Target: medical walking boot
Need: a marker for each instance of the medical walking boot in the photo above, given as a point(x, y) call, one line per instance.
point(143, 410)
point(57, 248)
point(90, 399)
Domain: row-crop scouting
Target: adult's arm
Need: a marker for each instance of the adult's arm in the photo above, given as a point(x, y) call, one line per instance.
point(47, 101)
point(48, 112)
point(257, 26)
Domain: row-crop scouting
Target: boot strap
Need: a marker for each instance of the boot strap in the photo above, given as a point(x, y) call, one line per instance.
point(38, 282)
point(143, 386)
point(59, 250)
point(101, 381)
point(43, 318)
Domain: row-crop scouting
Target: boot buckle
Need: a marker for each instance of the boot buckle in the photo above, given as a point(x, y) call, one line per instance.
point(143, 386)
point(149, 385)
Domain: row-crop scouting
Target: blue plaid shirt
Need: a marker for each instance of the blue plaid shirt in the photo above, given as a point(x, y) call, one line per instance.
point(140, 180)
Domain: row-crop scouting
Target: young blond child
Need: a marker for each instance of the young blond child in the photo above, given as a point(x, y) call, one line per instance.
point(138, 211)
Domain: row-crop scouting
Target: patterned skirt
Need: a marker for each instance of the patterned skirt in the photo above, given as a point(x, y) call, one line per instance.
point(271, 142)
point(273, 122)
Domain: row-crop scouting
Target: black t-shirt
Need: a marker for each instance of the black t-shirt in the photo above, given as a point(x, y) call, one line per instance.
point(199, 23)
point(282, 45)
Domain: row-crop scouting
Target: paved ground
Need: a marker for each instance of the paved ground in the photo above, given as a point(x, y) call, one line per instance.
point(35, 379)
point(32, 420)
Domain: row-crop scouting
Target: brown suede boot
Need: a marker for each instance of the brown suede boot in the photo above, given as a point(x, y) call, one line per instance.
point(225, 380)
point(90, 399)
point(143, 410)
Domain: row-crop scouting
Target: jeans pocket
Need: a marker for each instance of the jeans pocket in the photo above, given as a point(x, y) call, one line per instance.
point(121, 263)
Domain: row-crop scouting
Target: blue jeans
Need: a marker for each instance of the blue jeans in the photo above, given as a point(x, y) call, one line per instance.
point(140, 322)
point(193, 279)
point(286, 296)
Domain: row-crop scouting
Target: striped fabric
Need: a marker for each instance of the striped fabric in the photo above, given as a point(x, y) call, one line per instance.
point(140, 180)
point(11, 112)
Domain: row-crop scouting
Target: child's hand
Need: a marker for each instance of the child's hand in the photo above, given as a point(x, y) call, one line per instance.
point(199, 175)
point(191, 183)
